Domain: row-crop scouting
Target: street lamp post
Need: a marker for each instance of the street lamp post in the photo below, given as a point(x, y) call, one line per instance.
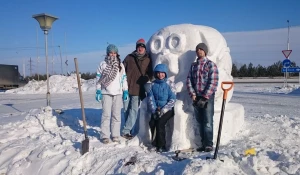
point(45, 22)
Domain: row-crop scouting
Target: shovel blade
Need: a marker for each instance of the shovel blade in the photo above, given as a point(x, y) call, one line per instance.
point(85, 146)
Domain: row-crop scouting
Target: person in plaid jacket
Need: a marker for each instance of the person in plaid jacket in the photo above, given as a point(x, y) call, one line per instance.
point(202, 83)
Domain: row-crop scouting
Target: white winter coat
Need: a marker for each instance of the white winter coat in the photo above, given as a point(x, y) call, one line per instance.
point(117, 86)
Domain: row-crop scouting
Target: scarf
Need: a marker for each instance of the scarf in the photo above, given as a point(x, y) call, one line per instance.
point(110, 72)
point(139, 56)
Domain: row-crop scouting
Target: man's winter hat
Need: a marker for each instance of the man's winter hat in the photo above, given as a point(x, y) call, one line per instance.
point(111, 48)
point(203, 47)
point(141, 42)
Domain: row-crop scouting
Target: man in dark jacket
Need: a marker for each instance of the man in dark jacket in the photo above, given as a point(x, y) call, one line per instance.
point(138, 67)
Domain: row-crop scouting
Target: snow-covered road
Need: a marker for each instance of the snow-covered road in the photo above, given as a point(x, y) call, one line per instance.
point(14, 105)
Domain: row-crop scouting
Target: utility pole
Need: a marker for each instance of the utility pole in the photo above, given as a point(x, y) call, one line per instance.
point(61, 64)
point(66, 54)
point(24, 68)
point(30, 66)
point(67, 66)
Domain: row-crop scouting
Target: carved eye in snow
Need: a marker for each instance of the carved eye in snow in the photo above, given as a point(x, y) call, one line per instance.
point(157, 44)
point(176, 42)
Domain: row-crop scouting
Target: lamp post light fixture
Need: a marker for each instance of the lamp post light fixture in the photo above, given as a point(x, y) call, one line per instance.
point(45, 22)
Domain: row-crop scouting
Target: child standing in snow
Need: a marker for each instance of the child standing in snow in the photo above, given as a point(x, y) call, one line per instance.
point(111, 84)
point(161, 100)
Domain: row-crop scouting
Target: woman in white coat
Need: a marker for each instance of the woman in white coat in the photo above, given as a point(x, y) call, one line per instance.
point(111, 90)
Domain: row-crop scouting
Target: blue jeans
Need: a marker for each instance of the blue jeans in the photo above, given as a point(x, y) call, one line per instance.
point(131, 114)
point(205, 118)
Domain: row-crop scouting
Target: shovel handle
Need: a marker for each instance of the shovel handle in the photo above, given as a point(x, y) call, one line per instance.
point(81, 98)
point(227, 89)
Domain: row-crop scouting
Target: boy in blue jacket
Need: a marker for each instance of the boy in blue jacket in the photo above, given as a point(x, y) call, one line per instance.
point(161, 101)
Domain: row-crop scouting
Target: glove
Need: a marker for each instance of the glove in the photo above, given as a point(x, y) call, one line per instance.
point(125, 95)
point(157, 114)
point(202, 103)
point(98, 95)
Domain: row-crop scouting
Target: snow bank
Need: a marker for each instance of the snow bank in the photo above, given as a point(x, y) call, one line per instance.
point(270, 89)
point(46, 142)
point(57, 84)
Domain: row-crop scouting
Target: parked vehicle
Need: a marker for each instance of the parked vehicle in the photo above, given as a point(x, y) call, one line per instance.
point(10, 77)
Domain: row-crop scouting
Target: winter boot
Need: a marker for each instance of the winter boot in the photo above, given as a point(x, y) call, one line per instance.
point(201, 149)
point(127, 136)
point(105, 140)
point(161, 149)
point(208, 148)
point(115, 139)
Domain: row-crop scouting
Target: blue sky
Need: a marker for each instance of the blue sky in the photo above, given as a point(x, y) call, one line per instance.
point(87, 26)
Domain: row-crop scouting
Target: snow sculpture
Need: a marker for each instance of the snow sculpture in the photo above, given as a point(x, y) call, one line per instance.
point(175, 46)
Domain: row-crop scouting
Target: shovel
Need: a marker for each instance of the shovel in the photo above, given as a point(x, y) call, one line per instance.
point(85, 142)
point(221, 117)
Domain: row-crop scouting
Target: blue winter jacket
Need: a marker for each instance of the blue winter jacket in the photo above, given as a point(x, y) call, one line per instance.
point(162, 93)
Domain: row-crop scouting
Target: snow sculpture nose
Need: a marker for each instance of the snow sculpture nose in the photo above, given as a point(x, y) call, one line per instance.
point(165, 51)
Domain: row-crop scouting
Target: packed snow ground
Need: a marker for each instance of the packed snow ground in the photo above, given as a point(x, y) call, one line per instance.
point(34, 139)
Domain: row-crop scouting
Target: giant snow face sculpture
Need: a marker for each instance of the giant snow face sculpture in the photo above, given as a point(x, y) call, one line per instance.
point(175, 46)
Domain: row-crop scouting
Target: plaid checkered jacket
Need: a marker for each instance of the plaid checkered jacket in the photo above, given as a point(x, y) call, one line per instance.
point(203, 78)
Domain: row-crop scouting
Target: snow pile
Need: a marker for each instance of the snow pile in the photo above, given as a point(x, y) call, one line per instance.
point(275, 140)
point(46, 142)
point(57, 84)
point(35, 141)
point(272, 88)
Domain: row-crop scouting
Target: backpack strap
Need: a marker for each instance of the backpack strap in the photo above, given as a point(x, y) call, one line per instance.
point(138, 66)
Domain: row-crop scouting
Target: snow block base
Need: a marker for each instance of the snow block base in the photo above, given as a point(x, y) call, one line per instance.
point(233, 121)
